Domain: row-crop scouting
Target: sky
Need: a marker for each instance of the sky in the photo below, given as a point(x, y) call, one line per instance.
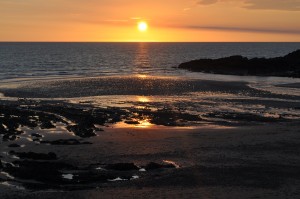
point(168, 20)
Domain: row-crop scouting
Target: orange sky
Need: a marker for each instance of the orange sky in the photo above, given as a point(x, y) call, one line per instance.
point(169, 20)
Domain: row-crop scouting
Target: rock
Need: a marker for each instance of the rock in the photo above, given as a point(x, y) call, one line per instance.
point(8, 137)
point(36, 135)
point(122, 167)
point(287, 66)
point(44, 172)
point(153, 166)
point(36, 140)
point(82, 131)
point(47, 125)
point(132, 122)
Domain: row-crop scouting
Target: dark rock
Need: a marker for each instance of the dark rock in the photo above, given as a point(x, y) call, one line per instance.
point(98, 129)
point(47, 125)
point(36, 135)
point(122, 167)
point(153, 166)
point(8, 165)
point(287, 66)
point(45, 175)
point(82, 131)
point(15, 116)
point(131, 122)
point(8, 137)
point(46, 172)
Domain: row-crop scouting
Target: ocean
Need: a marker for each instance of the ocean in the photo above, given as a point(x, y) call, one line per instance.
point(144, 74)
point(59, 60)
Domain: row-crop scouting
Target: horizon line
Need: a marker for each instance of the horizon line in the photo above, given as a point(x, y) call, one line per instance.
point(149, 41)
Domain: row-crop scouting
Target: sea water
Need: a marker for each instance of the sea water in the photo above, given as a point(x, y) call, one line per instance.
point(25, 61)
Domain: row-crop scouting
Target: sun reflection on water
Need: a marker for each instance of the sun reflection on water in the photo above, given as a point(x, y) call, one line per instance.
point(144, 124)
point(135, 123)
point(142, 76)
point(143, 99)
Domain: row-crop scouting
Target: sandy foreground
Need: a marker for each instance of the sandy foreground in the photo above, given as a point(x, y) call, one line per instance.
point(198, 139)
point(243, 162)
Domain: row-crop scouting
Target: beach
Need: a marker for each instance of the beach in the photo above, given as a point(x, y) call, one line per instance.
point(194, 138)
point(213, 162)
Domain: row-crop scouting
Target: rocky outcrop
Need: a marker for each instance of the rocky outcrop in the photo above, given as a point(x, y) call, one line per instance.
point(287, 66)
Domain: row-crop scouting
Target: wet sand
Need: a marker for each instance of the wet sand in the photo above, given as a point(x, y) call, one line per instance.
point(205, 139)
point(214, 162)
point(294, 85)
point(131, 85)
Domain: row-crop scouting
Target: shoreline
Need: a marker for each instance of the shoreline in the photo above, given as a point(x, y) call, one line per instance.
point(128, 85)
point(292, 85)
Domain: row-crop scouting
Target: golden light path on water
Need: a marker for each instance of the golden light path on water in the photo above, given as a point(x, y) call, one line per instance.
point(143, 99)
point(142, 76)
point(139, 123)
point(143, 124)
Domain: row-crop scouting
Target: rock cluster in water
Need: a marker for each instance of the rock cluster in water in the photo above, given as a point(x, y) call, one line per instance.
point(287, 66)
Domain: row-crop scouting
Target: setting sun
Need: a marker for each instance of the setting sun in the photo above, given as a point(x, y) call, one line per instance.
point(142, 26)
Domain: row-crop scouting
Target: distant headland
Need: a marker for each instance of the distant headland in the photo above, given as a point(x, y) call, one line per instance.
point(287, 66)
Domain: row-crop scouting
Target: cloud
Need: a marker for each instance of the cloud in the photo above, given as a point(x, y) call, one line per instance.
point(246, 29)
point(186, 9)
point(293, 5)
point(290, 5)
point(207, 2)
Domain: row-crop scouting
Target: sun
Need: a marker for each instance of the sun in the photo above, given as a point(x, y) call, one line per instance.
point(142, 26)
